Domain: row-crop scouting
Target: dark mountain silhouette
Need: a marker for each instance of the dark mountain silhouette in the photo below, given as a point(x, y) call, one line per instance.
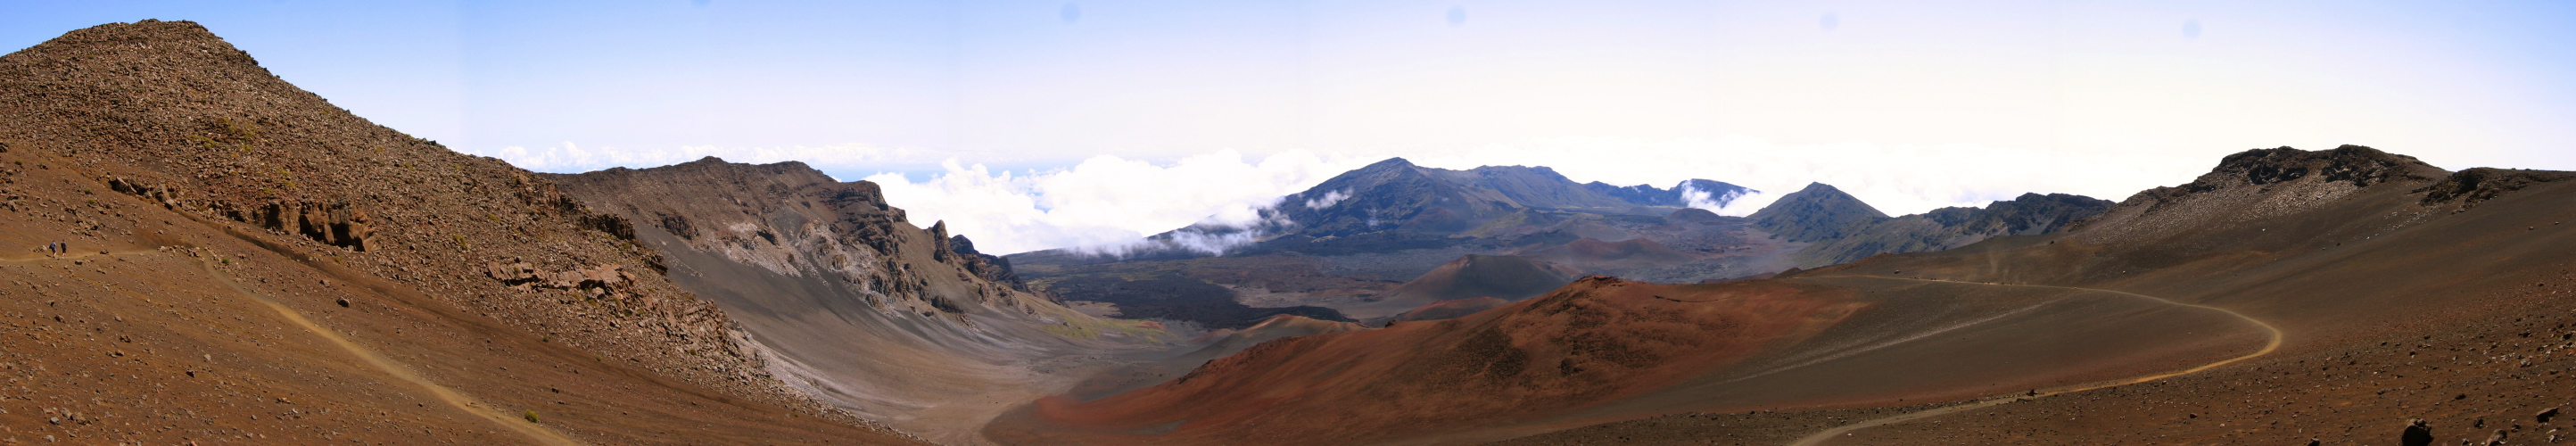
point(1952, 227)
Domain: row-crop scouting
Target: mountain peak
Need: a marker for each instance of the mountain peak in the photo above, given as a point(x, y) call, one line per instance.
point(1389, 163)
point(172, 39)
point(1818, 212)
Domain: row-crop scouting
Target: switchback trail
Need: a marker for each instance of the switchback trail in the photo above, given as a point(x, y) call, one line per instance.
point(2274, 343)
point(538, 434)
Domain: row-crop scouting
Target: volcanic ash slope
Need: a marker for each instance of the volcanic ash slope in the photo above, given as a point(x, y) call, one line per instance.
point(201, 252)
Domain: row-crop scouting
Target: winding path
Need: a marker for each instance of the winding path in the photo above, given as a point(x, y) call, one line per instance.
point(534, 432)
point(2274, 343)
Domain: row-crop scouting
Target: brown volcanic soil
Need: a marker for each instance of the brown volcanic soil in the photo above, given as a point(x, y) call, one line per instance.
point(1451, 309)
point(2403, 294)
point(249, 264)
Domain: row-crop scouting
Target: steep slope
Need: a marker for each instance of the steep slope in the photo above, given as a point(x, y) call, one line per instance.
point(1816, 213)
point(202, 241)
point(2403, 292)
point(902, 324)
point(1945, 228)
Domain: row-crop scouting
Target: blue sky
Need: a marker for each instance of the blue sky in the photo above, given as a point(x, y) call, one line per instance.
point(1054, 123)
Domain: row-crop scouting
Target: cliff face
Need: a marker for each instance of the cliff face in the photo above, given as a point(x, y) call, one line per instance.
point(795, 221)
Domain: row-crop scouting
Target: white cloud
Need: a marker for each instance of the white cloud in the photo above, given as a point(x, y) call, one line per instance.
point(1328, 200)
point(1734, 202)
point(1106, 203)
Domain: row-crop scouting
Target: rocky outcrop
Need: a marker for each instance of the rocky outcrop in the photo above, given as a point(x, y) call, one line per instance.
point(2355, 165)
point(990, 267)
point(2468, 187)
point(331, 223)
point(796, 221)
point(2255, 186)
point(597, 282)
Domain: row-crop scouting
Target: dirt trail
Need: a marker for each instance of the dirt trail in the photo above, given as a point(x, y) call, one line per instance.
point(2274, 343)
point(539, 434)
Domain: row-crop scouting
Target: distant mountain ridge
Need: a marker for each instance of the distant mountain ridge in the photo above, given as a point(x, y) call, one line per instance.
point(1397, 195)
point(1364, 243)
point(1952, 227)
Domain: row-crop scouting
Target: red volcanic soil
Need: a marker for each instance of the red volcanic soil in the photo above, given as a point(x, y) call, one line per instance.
point(1597, 340)
point(1451, 309)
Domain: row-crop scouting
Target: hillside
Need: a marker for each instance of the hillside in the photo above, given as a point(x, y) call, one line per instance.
point(197, 239)
point(861, 308)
